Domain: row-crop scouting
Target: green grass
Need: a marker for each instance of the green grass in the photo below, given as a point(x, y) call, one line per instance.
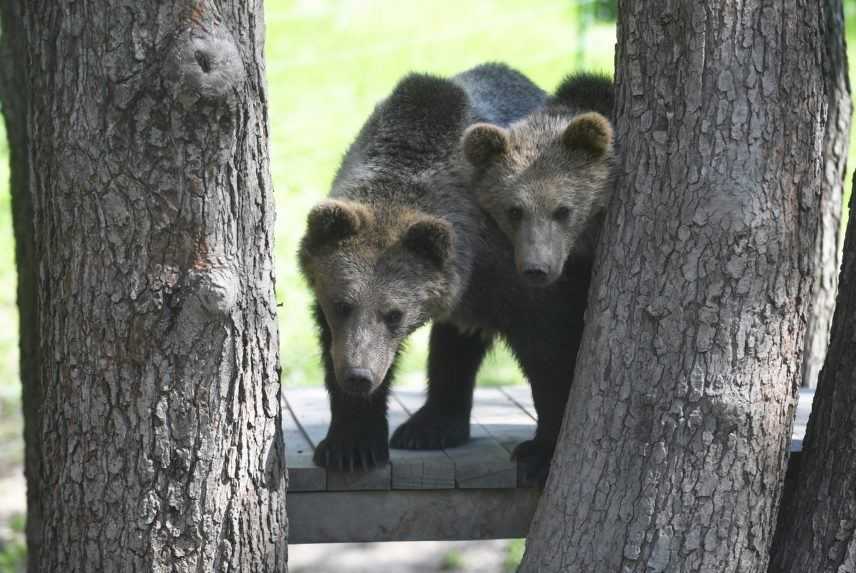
point(13, 549)
point(514, 555)
point(328, 63)
point(8, 277)
point(452, 561)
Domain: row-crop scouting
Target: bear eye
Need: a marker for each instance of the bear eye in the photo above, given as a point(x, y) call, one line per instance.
point(393, 318)
point(342, 309)
point(561, 214)
point(514, 214)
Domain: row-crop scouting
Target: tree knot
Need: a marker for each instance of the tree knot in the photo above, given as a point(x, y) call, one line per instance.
point(205, 67)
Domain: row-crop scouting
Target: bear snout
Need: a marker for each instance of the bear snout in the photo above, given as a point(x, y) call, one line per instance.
point(536, 274)
point(358, 381)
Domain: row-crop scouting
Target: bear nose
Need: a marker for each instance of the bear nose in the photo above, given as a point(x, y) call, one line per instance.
point(536, 274)
point(358, 380)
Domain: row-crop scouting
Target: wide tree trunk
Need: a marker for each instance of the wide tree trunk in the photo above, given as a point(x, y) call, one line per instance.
point(13, 102)
point(672, 452)
point(836, 143)
point(160, 445)
point(817, 526)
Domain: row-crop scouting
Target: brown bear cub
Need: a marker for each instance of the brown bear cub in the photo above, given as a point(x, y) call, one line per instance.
point(398, 244)
point(545, 180)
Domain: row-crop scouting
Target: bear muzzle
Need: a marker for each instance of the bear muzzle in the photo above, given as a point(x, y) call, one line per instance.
point(536, 275)
point(358, 381)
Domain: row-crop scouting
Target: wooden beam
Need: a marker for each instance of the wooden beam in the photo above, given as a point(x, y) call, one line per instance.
point(417, 515)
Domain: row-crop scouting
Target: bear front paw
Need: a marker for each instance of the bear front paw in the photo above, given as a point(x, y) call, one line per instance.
point(344, 451)
point(426, 430)
point(533, 462)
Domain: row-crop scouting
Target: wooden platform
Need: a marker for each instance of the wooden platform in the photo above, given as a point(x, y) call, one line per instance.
point(468, 492)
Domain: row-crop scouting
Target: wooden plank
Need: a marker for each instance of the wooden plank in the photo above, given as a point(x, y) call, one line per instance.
point(303, 474)
point(417, 469)
point(505, 419)
point(416, 515)
point(481, 462)
point(311, 407)
point(806, 399)
point(521, 394)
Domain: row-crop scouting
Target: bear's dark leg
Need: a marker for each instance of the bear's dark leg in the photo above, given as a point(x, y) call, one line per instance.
point(444, 421)
point(548, 363)
point(358, 433)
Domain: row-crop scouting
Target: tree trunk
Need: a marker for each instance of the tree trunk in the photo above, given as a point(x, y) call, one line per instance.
point(835, 146)
point(153, 217)
point(672, 452)
point(13, 100)
point(817, 526)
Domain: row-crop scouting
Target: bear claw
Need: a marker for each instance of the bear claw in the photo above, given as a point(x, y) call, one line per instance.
point(428, 431)
point(348, 453)
point(533, 462)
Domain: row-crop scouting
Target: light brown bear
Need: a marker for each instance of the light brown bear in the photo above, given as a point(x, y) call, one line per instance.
point(545, 180)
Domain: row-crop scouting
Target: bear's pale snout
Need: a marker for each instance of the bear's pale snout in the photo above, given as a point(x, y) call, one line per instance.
point(358, 381)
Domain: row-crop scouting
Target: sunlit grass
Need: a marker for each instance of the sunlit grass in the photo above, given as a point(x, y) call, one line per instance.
point(8, 276)
point(328, 63)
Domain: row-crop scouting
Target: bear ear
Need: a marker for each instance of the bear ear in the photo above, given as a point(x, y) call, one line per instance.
point(483, 143)
point(588, 132)
point(431, 239)
point(333, 220)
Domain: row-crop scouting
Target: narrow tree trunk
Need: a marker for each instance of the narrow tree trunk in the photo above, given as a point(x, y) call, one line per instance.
point(13, 100)
point(835, 146)
point(153, 221)
point(817, 526)
point(673, 447)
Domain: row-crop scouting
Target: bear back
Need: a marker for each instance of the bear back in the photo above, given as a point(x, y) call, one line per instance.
point(586, 91)
point(499, 94)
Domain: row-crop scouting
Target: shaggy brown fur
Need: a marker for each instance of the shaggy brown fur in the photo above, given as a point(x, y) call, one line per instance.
point(397, 245)
point(545, 181)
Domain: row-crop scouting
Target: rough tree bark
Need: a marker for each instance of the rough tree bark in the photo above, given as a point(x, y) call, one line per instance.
point(835, 146)
point(672, 452)
point(817, 526)
point(818, 523)
point(153, 221)
point(13, 102)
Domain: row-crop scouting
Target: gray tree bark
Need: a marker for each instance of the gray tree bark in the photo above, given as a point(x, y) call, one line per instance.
point(672, 452)
point(817, 525)
point(835, 146)
point(13, 102)
point(159, 433)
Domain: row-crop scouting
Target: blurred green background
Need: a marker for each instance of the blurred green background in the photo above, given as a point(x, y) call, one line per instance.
point(328, 63)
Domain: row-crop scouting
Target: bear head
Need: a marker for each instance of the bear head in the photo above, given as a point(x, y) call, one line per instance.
point(378, 274)
point(545, 181)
